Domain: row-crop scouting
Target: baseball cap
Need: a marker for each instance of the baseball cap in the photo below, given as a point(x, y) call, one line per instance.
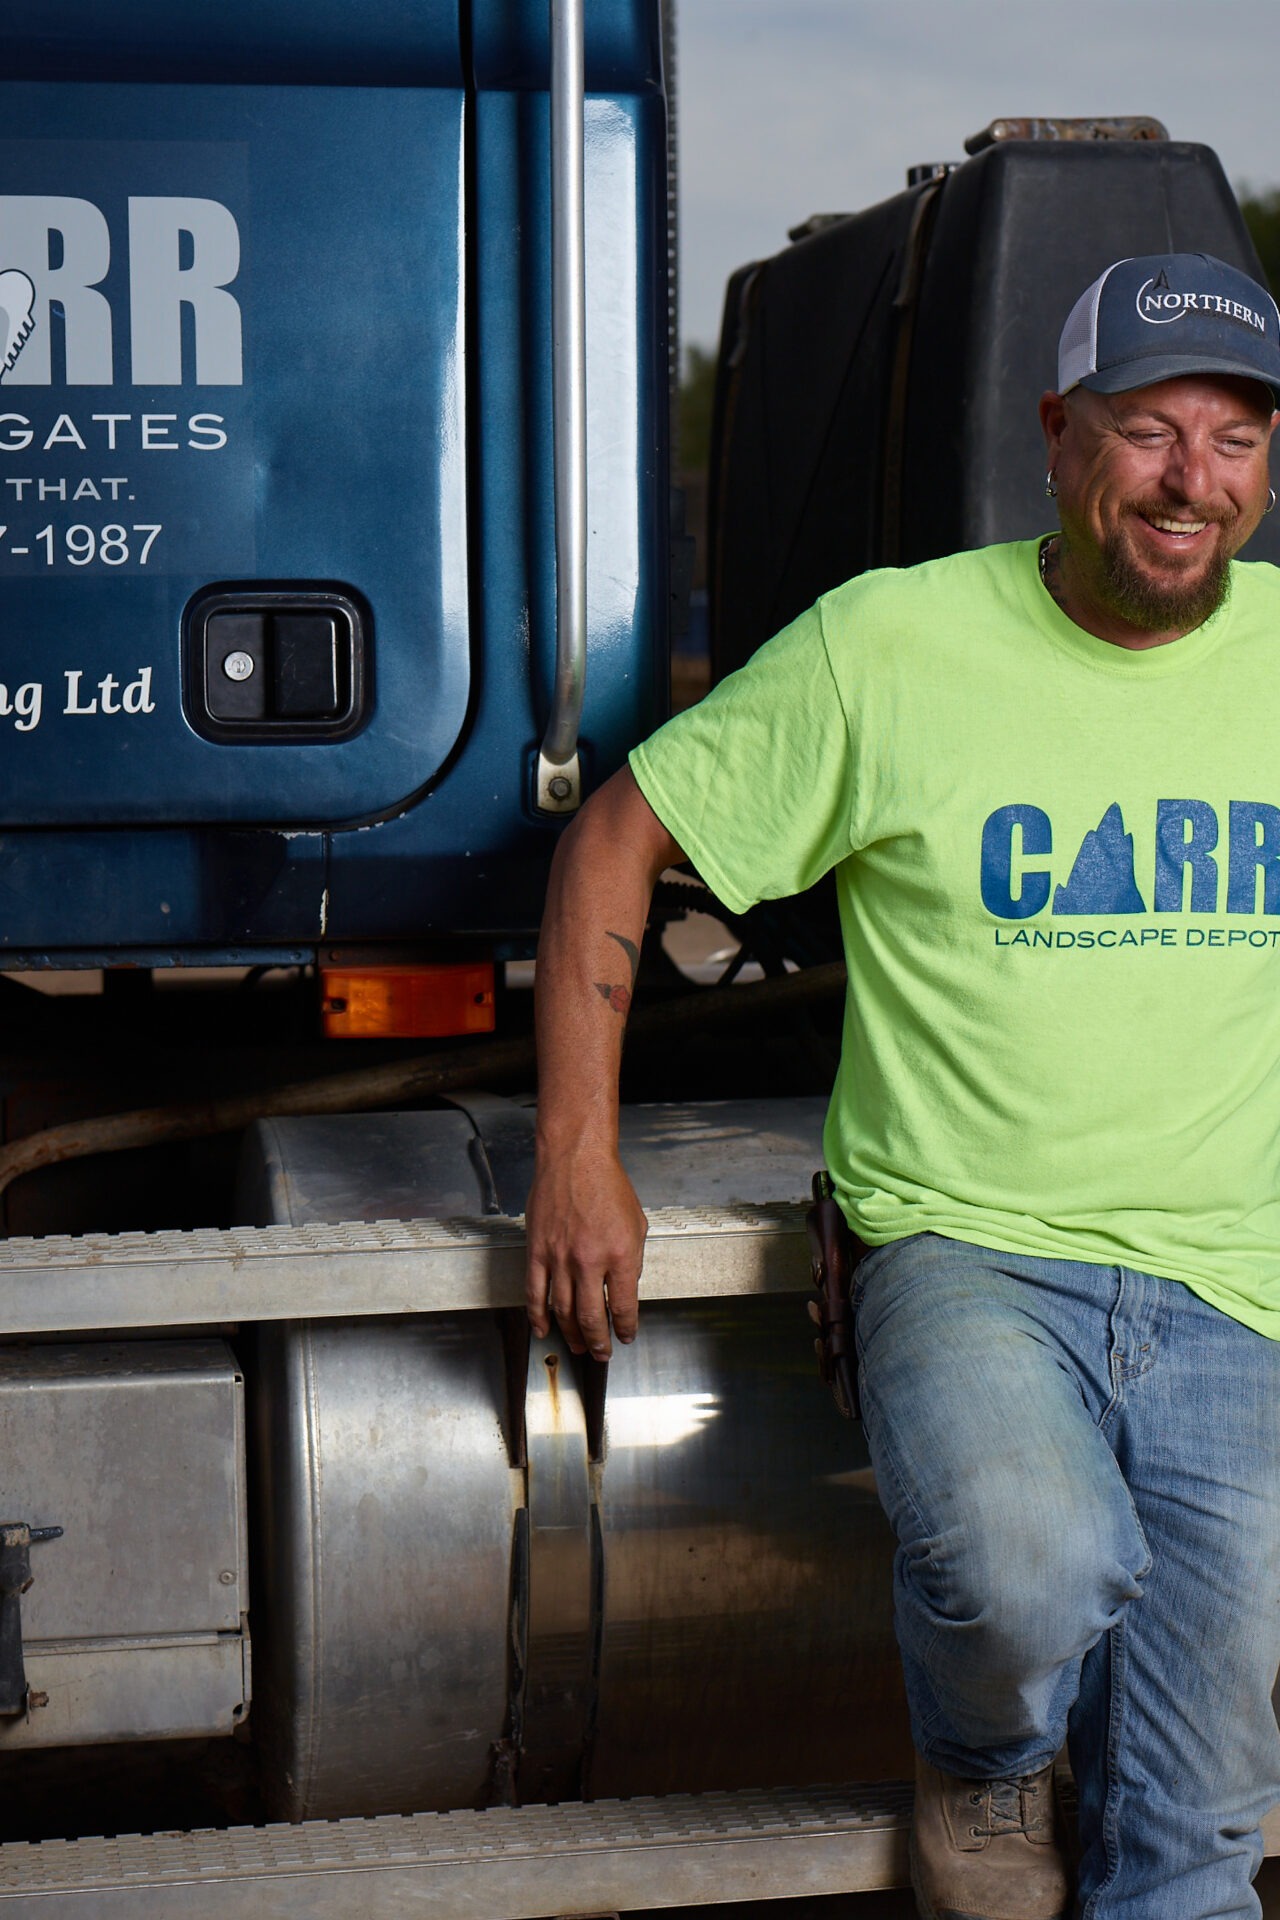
point(1162, 314)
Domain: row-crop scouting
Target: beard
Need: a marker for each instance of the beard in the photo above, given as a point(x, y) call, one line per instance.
point(1157, 602)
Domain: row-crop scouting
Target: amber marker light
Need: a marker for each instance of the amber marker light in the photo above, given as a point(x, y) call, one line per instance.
point(407, 1002)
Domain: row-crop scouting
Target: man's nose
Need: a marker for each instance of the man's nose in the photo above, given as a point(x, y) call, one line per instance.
point(1188, 472)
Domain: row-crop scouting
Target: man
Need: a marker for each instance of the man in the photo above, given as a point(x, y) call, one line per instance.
point(1047, 777)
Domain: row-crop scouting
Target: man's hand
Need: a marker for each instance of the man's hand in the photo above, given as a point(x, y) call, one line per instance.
point(585, 1226)
point(586, 1246)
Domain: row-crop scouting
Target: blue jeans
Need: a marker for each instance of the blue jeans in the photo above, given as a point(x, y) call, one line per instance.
point(1082, 1466)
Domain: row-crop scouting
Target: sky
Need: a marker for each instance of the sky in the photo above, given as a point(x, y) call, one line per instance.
point(793, 107)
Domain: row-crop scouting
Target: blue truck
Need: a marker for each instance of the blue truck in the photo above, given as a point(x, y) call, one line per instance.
point(278, 489)
point(339, 563)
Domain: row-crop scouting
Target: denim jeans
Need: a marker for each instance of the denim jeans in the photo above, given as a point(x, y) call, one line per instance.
point(1082, 1467)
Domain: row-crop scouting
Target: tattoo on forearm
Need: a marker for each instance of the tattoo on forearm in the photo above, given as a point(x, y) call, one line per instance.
point(619, 997)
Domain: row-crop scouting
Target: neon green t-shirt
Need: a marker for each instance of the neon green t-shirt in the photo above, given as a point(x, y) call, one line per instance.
point(1058, 871)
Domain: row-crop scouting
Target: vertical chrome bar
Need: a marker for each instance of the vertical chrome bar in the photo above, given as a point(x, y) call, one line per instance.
point(559, 782)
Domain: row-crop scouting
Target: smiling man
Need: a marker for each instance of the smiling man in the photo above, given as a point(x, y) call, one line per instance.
point(1046, 776)
point(1162, 483)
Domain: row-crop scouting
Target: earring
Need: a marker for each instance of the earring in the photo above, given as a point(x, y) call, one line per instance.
point(1051, 490)
point(1271, 499)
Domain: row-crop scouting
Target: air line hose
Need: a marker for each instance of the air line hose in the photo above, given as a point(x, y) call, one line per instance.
point(488, 1063)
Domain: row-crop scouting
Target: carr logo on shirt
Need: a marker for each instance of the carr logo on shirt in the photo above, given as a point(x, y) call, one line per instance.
point(1197, 867)
point(182, 251)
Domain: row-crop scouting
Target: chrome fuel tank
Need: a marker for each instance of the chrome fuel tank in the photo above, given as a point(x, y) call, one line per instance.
point(490, 1572)
point(746, 1637)
point(384, 1524)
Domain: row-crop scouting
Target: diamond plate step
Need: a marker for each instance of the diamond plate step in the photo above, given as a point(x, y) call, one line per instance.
point(504, 1864)
point(524, 1863)
point(210, 1276)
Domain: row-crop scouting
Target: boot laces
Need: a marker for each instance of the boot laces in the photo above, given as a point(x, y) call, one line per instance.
point(1011, 1806)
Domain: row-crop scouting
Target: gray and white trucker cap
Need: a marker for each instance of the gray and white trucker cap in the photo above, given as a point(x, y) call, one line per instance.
point(1164, 314)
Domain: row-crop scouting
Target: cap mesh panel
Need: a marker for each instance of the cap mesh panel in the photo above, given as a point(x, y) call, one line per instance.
point(1078, 346)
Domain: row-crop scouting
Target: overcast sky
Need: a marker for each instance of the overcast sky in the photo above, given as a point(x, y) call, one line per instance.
point(792, 107)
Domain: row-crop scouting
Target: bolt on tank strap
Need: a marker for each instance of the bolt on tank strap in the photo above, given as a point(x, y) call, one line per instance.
point(834, 1253)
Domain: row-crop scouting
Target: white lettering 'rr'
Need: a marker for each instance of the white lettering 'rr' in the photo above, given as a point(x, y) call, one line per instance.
point(164, 230)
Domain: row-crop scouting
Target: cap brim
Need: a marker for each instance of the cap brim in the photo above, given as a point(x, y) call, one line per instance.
point(1147, 372)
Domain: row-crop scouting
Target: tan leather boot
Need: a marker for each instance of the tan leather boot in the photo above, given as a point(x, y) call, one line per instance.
point(987, 1849)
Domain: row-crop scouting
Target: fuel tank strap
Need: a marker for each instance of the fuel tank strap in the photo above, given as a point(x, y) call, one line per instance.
point(562, 1623)
point(319, 1271)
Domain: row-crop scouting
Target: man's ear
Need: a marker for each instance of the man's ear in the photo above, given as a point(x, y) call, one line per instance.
point(1053, 420)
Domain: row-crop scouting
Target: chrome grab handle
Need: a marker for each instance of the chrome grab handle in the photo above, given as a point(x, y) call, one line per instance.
point(559, 782)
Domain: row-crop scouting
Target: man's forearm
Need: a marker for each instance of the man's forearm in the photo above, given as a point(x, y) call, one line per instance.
point(586, 1229)
point(588, 958)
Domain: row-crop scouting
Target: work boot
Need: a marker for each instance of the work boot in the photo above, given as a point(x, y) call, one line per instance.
point(987, 1849)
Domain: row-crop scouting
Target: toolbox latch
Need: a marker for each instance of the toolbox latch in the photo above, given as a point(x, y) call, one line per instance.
point(16, 1542)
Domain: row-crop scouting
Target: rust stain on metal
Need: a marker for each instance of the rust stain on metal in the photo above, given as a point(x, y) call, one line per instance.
point(553, 1388)
point(1119, 127)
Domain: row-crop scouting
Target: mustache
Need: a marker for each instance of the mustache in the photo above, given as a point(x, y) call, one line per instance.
point(1157, 509)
